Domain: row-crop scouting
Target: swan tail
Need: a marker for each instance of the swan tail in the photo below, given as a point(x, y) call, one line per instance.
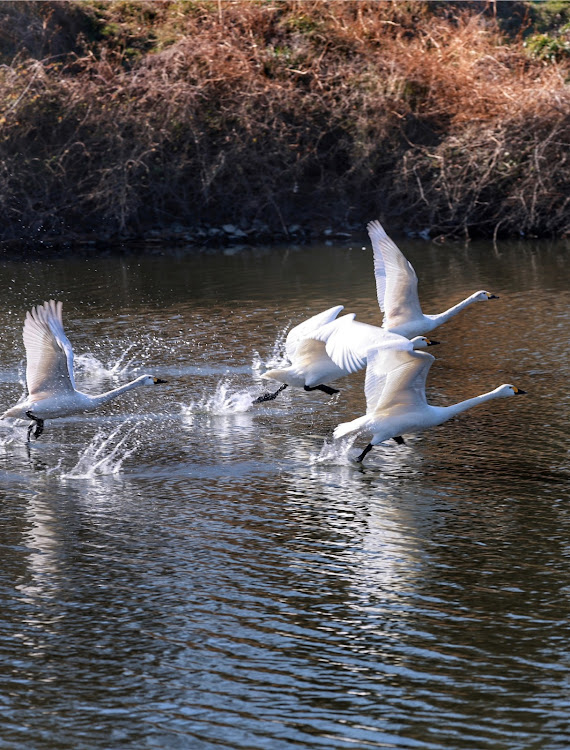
point(280, 375)
point(16, 412)
point(350, 428)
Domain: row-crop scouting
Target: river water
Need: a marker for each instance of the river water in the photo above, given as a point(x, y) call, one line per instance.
point(183, 570)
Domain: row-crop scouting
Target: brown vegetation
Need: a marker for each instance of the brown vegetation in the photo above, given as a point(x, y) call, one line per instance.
point(118, 118)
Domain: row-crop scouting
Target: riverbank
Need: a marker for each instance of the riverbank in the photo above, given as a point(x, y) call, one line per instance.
point(209, 123)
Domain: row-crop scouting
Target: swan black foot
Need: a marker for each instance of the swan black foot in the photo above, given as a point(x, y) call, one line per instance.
point(399, 439)
point(364, 452)
point(324, 388)
point(37, 426)
point(270, 396)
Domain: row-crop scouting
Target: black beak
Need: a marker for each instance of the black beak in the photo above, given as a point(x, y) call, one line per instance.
point(520, 392)
point(159, 380)
point(432, 342)
point(493, 296)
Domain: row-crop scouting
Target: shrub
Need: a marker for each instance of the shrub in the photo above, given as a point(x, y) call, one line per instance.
point(119, 117)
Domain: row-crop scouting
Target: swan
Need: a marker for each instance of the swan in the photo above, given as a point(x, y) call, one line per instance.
point(396, 400)
point(324, 348)
point(49, 373)
point(397, 289)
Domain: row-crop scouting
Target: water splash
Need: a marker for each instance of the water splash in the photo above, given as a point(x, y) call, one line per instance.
point(277, 357)
point(338, 452)
point(88, 365)
point(11, 432)
point(224, 400)
point(11, 429)
point(105, 454)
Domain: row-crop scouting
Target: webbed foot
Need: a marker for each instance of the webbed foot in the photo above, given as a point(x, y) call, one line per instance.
point(364, 452)
point(36, 428)
point(399, 439)
point(324, 388)
point(269, 396)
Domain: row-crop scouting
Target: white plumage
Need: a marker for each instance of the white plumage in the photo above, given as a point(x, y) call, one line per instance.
point(397, 289)
point(49, 372)
point(396, 401)
point(325, 348)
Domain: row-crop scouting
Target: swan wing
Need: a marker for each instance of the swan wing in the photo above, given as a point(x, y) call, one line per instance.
point(405, 383)
point(396, 280)
point(312, 361)
point(381, 361)
point(351, 345)
point(347, 342)
point(396, 374)
point(49, 356)
point(304, 330)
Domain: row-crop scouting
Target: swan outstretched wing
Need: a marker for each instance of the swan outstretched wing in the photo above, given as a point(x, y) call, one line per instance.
point(304, 330)
point(396, 280)
point(347, 341)
point(49, 356)
point(396, 376)
point(350, 343)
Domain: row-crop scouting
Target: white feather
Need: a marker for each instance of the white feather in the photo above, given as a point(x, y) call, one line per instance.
point(49, 371)
point(397, 289)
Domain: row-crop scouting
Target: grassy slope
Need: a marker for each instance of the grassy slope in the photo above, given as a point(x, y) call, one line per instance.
point(119, 117)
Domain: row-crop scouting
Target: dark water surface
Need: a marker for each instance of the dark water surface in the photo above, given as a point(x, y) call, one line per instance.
point(180, 570)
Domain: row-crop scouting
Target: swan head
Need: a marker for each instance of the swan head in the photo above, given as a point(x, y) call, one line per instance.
point(483, 296)
point(149, 380)
point(422, 342)
point(508, 390)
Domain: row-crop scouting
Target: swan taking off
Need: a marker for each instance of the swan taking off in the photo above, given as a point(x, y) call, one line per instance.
point(396, 398)
point(49, 373)
point(397, 289)
point(324, 348)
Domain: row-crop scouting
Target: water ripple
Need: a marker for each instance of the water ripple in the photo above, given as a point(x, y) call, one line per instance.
point(184, 569)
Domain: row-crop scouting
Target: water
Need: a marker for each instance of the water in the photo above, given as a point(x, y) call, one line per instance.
point(183, 570)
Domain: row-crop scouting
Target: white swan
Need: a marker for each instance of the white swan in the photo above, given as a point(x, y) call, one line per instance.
point(324, 348)
point(397, 289)
point(49, 373)
point(396, 398)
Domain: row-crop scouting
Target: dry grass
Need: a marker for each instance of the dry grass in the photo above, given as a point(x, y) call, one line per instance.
point(121, 117)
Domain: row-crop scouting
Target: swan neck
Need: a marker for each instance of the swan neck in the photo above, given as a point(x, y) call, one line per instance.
point(471, 402)
point(452, 311)
point(104, 398)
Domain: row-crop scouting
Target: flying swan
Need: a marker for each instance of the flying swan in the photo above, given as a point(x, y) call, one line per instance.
point(324, 348)
point(49, 373)
point(396, 399)
point(397, 289)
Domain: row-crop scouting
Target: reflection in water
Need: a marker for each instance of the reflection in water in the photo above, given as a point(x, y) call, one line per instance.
point(42, 548)
point(188, 569)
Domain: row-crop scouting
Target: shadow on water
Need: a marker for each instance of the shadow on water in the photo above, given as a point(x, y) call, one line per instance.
point(188, 569)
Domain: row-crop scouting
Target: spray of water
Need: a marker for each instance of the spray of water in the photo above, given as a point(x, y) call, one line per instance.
point(276, 358)
point(11, 429)
point(11, 432)
point(224, 400)
point(337, 452)
point(105, 454)
point(89, 366)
